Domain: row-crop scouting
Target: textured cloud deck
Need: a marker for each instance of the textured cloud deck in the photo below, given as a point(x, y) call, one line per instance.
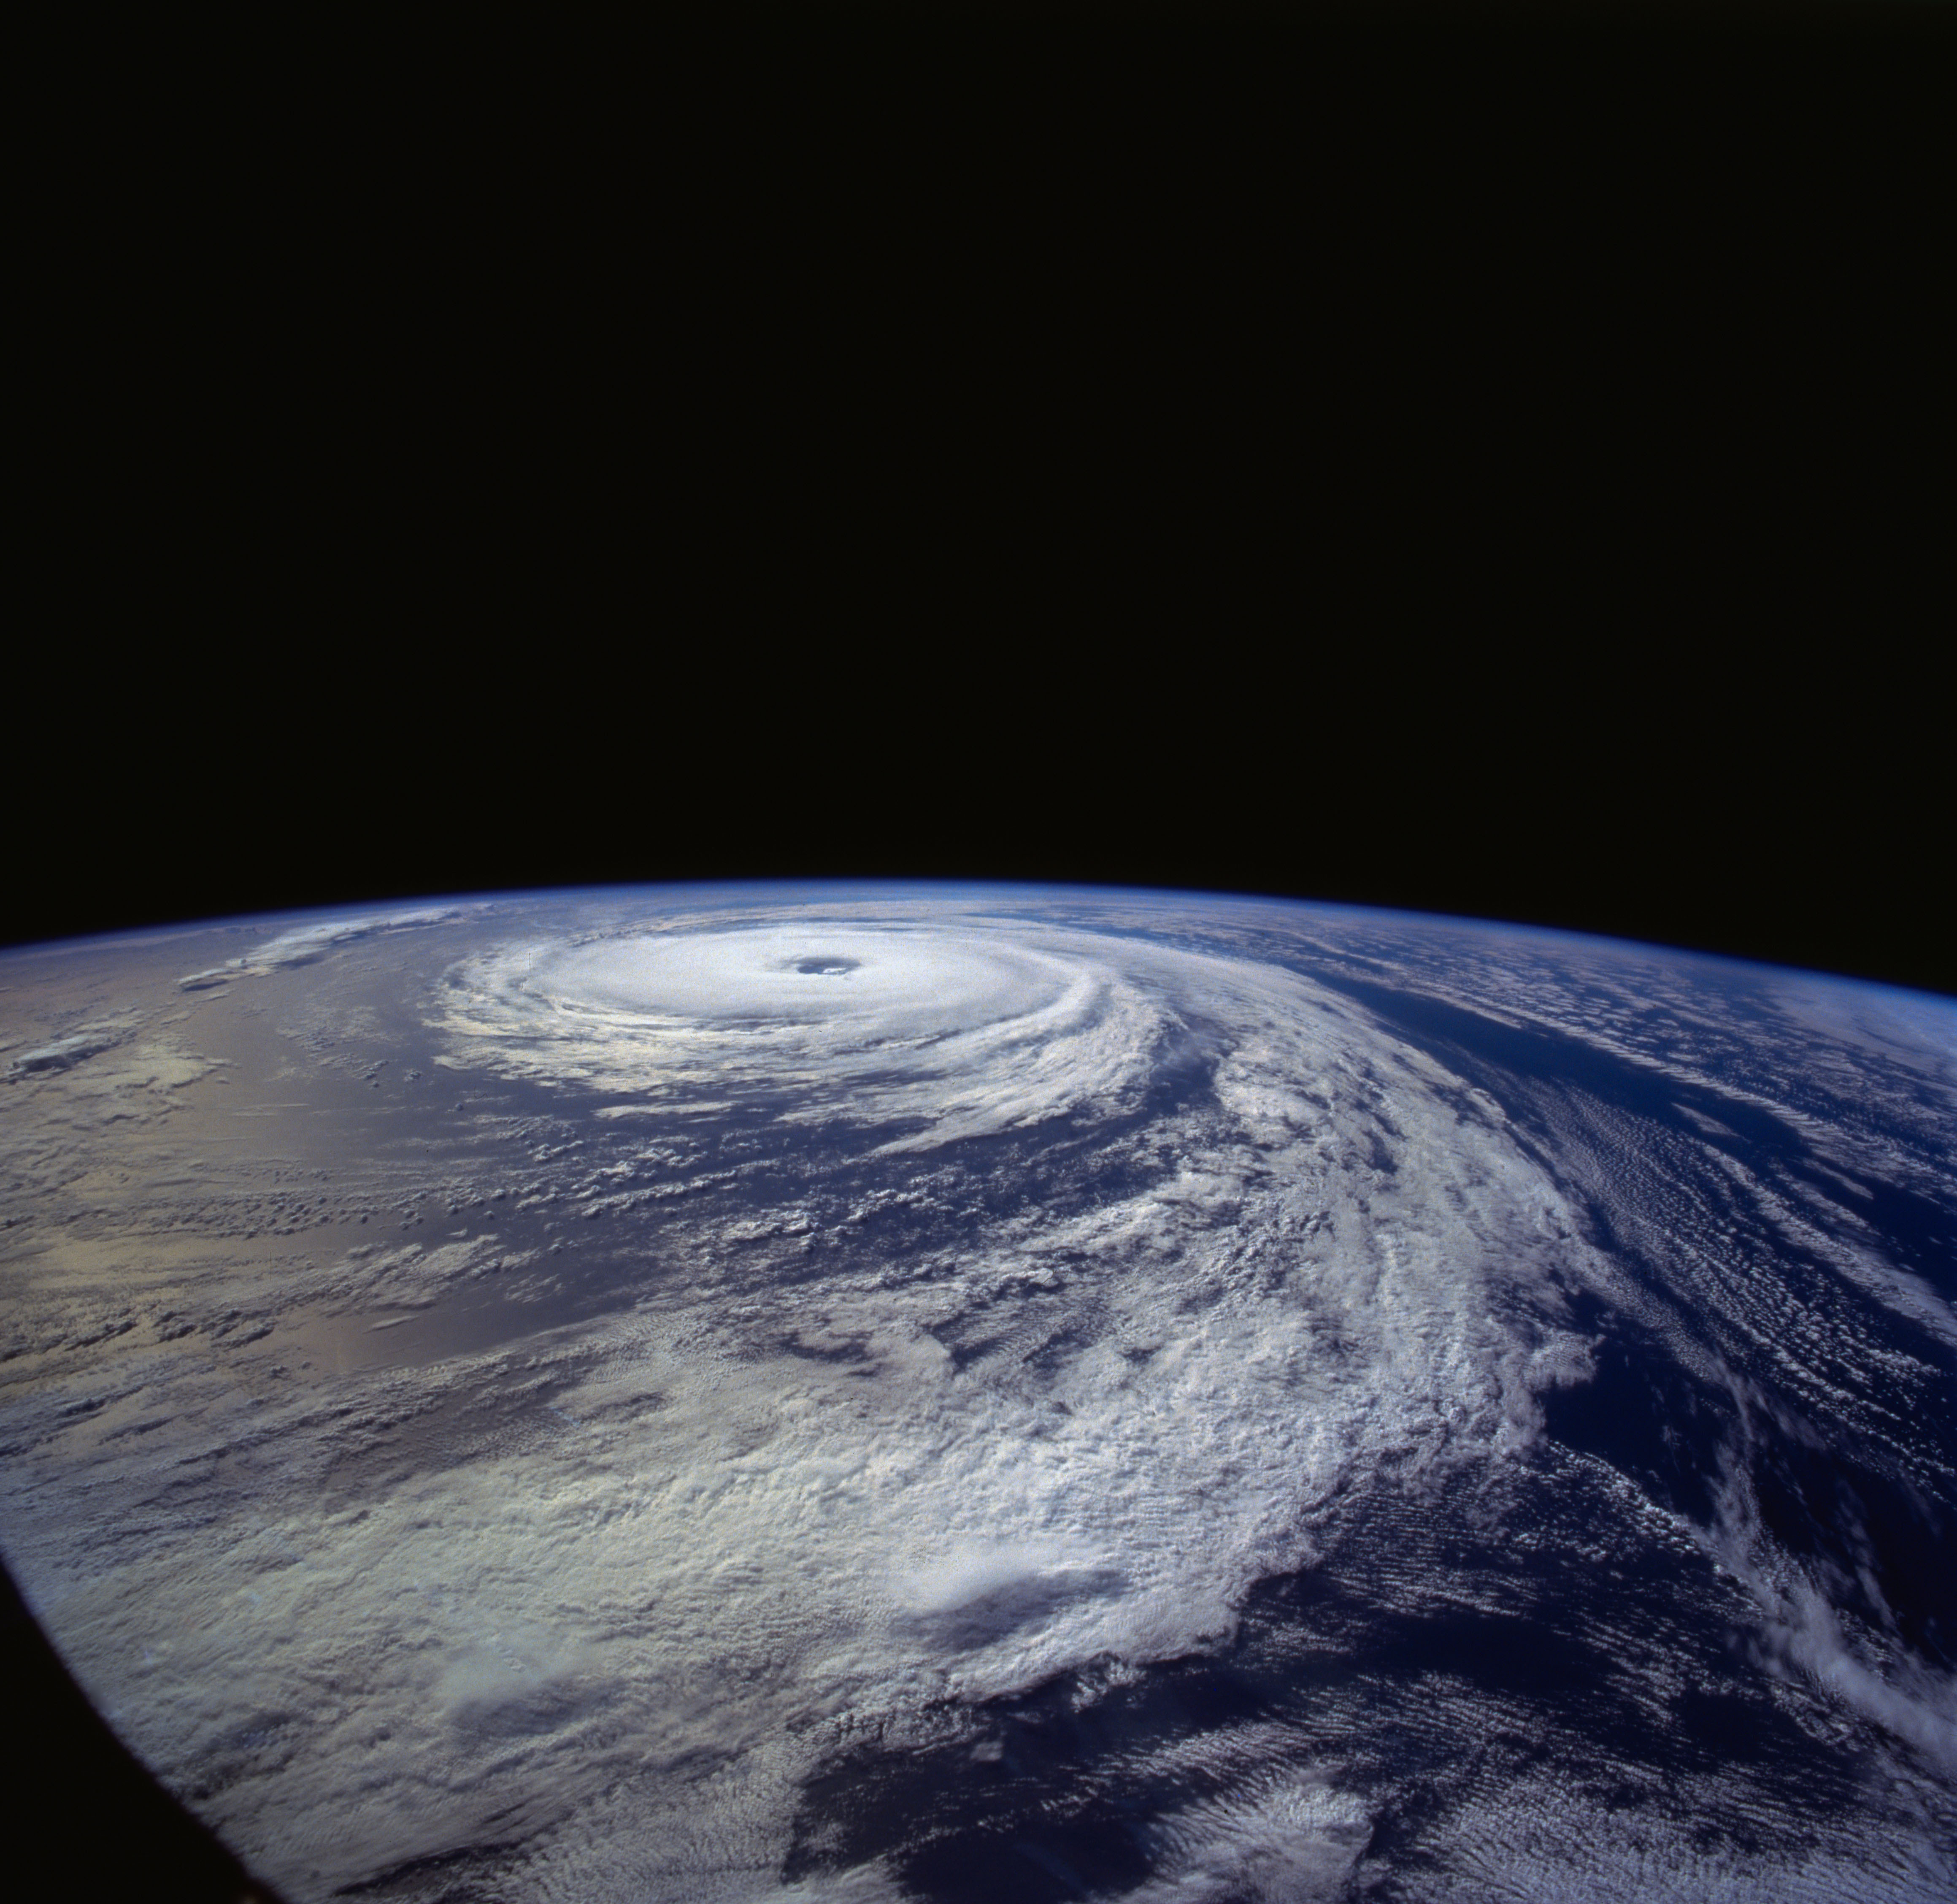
point(857, 1394)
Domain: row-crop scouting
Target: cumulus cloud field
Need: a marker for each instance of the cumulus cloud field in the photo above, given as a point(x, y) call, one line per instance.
point(598, 1397)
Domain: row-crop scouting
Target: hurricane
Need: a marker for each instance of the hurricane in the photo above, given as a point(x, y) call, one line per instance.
point(963, 1032)
point(911, 1393)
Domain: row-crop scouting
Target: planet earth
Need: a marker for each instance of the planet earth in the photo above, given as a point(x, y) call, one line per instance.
point(865, 1393)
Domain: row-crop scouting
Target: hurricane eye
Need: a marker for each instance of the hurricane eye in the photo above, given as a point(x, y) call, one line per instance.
point(825, 968)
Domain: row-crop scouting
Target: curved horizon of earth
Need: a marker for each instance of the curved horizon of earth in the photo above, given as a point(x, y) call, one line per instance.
point(879, 1392)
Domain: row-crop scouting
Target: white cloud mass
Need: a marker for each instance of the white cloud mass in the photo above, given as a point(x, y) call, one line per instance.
point(848, 1320)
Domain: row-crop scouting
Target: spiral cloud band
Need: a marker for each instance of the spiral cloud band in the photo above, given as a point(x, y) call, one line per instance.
point(862, 1396)
point(959, 1031)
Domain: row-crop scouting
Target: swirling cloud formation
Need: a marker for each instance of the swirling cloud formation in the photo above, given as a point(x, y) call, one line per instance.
point(948, 1032)
point(1334, 1377)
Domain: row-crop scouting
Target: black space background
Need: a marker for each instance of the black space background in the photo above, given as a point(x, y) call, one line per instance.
point(1486, 462)
point(1491, 460)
